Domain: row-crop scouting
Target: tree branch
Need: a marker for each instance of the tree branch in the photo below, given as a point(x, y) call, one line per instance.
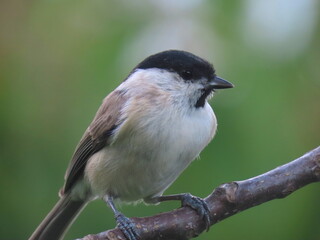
point(226, 200)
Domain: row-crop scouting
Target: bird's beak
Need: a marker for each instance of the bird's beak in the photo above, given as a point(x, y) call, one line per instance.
point(219, 83)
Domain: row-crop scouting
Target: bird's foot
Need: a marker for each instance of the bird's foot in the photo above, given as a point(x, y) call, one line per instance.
point(199, 205)
point(127, 226)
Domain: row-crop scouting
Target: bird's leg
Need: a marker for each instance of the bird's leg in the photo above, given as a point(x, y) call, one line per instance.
point(196, 203)
point(125, 224)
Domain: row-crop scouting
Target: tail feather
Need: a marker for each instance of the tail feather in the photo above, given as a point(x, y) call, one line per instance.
point(56, 223)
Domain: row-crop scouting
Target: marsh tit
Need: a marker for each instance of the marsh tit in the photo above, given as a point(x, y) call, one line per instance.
point(145, 133)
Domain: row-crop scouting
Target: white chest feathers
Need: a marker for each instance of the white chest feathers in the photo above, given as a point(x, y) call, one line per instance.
point(147, 156)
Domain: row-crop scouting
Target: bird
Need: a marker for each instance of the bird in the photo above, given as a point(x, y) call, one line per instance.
point(144, 134)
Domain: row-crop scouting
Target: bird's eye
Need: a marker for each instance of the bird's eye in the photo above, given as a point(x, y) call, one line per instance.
point(187, 75)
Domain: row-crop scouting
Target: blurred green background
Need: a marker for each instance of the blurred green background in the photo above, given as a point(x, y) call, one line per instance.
point(58, 59)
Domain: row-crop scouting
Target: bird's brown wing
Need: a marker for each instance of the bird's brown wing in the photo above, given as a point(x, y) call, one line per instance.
point(96, 137)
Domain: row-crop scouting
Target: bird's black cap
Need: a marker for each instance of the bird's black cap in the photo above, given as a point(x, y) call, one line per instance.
point(187, 65)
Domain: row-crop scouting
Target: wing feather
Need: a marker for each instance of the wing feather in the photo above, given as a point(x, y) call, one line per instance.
point(97, 136)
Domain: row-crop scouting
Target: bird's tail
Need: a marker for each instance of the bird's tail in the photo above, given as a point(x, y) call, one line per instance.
point(56, 223)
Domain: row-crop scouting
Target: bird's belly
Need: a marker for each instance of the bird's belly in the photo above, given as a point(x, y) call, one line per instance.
point(141, 167)
point(136, 177)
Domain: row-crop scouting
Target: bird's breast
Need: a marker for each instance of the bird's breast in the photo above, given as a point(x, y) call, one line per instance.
point(147, 156)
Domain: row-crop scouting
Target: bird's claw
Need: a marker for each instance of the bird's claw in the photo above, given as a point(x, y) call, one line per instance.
point(127, 226)
point(199, 205)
